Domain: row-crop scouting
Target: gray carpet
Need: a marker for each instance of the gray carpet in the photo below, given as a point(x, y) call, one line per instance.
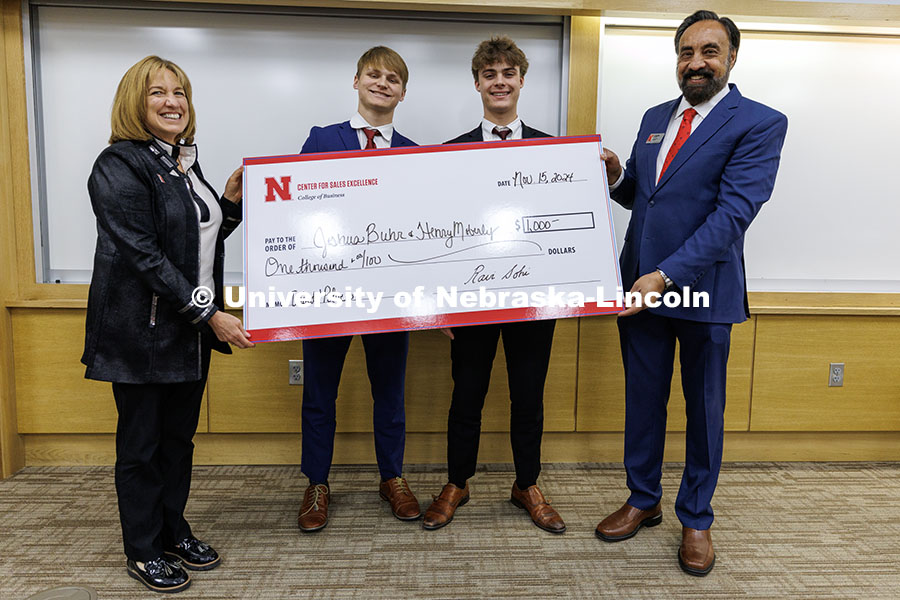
point(787, 530)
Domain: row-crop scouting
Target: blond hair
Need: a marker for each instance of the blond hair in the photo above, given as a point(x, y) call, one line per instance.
point(499, 48)
point(385, 58)
point(129, 110)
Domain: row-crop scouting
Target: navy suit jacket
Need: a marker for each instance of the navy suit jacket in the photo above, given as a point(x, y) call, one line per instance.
point(477, 136)
point(341, 136)
point(692, 223)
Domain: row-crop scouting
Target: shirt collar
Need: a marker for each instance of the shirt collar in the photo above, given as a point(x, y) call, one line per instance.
point(358, 122)
point(704, 108)
point(187, 153)
point(487, 129)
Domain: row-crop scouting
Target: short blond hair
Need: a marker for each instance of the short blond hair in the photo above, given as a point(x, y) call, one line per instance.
point(385, 58)
point(129, 108)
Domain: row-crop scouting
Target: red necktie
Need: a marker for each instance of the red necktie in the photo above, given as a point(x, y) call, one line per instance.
point(501, 132)
point(370, 137)
point(684, 132)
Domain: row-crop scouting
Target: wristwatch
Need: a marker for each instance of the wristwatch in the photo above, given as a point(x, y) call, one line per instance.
point(668, 282)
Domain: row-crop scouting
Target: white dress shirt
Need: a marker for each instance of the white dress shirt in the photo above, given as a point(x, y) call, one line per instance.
point(703, 109)
point(358, 123)
point(209, 230)
point(487, 130)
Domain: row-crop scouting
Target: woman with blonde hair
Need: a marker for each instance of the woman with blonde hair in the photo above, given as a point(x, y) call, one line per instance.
point(155, 311)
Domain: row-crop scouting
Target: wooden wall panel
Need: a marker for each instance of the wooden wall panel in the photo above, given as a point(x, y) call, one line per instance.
point(249, 390)
point(584, 71)
point(790, 384)
point(601, 379)
point(52, 395)
point(428, 383)
point(12, 450)
point(12, 113)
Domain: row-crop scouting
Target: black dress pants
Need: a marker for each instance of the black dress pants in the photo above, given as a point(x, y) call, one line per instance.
point(154, 456)
point(527, 347)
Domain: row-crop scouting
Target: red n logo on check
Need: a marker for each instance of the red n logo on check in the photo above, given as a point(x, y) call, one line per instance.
point(283, 190)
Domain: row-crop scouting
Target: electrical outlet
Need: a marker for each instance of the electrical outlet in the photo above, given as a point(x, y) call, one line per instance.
point(836, 375)
point(296, 372)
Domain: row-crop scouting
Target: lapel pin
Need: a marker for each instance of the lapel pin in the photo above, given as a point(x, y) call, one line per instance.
point(655, 138)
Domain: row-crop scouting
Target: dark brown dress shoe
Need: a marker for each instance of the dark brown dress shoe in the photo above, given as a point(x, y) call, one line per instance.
point(542, 514)
point(441, 510)
point(403, 504)
point(313, 514)
point(696, 555)
point(626, 522)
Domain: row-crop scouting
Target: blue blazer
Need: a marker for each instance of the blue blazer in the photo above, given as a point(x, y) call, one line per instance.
point(691, 225)
point(341, 136)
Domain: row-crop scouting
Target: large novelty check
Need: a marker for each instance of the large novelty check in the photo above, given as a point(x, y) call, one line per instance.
point(434, 236)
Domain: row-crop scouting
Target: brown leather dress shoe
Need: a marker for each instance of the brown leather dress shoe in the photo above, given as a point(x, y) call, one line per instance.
point(313, 514)
point(403, 504)
point(626, 522)
point(441, 510)
point(542, 514)
point(696, 555)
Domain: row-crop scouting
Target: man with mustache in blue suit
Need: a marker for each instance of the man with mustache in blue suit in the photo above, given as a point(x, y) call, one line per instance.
point(700, 170)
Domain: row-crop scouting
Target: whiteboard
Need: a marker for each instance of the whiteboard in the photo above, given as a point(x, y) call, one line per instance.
point(831, 224)
point(260, 82)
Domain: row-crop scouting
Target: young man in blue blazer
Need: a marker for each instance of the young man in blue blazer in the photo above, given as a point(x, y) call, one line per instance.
point(380, 81)
point(700, 170)
point(498, 67)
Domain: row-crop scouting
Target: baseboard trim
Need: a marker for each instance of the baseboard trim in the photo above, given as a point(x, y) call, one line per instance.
point(430, 448)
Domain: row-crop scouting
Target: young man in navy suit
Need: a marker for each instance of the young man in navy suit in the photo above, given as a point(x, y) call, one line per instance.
point(498, 67)
point(700, 170)
point(380, 81)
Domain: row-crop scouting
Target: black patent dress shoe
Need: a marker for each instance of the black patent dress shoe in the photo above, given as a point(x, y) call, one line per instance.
point(195, 555)
point(160, 575)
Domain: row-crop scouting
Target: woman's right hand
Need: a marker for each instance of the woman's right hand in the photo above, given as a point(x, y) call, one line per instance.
point(229, 328)
point(234, 187)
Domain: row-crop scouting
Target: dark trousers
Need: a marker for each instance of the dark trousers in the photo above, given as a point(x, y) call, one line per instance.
point(386, 365)
point(527, 347)
point(648, 353)
point(154, 455)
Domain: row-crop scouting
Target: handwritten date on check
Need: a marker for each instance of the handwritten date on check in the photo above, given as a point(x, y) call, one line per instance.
point(425, 237)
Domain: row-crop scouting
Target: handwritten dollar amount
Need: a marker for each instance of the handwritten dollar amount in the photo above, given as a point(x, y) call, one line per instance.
point(520, 179)
point(555, 222)
point(533, 225)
